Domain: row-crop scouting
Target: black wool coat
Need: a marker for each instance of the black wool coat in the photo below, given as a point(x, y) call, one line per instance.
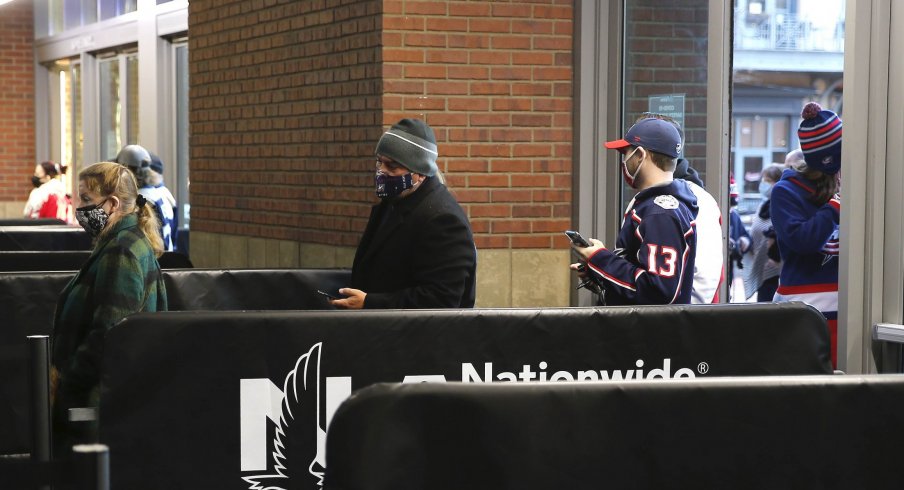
point(417, 252)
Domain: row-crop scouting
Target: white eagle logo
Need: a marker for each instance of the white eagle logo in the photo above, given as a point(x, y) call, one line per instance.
point(299, 422)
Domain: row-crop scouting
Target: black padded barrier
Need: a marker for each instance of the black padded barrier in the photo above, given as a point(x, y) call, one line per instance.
point(826, 432)
point(31, 222)
point(71, 260)
point(39, 261)
point(206, 399)
point(87, 468)
point(28, 300)
point(44, 238)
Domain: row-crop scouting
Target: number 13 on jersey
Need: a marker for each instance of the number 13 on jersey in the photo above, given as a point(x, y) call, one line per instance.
point(666, 256)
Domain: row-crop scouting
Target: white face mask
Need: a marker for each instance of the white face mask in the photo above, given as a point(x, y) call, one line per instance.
point(630, 178)
point(765, 189)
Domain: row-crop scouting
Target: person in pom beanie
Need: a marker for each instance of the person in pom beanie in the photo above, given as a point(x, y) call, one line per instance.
point(805, 209)
point(417, 250)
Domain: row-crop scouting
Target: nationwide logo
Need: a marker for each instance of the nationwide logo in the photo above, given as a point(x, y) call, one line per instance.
point(470, 374)
point(299, 413)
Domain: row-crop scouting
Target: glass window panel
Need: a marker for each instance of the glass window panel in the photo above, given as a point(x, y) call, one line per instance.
point(55, 20)
point(760, 132)
point(780, 132)
point(665, 71)
point(72, 14)
point(132, 93)
point(110, 108)
point(753, 166)
point(89, 11)
point(746, 128)
point(773, 78)
point(106, 8)
point(113, 8)
point(78, 136)
point(785, 53)
point(66, 145)
point(182, 166)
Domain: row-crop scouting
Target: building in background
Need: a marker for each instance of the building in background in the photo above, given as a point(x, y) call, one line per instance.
point(786, 52)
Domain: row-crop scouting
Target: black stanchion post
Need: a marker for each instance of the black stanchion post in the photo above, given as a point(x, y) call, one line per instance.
point(39, 346)
point(92, 464)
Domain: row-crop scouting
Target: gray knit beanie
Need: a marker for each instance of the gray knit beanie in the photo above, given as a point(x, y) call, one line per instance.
point(411, 143)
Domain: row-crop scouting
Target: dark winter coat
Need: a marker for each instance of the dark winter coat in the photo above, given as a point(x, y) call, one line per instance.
point(417, 252)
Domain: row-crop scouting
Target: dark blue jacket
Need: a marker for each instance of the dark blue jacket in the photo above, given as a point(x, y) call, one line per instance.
point(807, 236)
point(654, 259)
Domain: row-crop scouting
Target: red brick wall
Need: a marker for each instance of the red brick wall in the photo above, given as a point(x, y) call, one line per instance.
point(285, 111)
point(289, 99)
point(666, 46)
point(17, 105)
point(494, 80)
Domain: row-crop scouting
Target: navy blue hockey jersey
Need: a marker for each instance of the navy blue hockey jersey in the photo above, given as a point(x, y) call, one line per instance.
point(654, 259)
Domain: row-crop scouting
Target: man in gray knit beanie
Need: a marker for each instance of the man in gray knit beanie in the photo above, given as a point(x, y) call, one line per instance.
point(406, 155)
point(417, 250)
point(412, 143)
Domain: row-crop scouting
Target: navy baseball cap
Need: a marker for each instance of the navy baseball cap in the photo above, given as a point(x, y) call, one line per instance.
point(653, 134)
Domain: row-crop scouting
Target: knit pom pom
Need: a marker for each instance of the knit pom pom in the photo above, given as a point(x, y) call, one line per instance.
point(811, 110)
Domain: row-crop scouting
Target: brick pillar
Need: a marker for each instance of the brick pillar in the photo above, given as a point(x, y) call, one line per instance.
point(17, 106)
point(288, 100)
point(285, 109)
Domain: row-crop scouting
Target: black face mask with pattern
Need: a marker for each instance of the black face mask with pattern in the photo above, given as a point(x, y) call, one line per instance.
point(388, 186)
point(93, 218)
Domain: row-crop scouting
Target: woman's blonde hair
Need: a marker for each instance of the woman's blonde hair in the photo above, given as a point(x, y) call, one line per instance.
point(108, 179)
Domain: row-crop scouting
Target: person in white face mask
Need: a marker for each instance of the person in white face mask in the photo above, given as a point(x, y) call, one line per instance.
point(762, 265)
point(653, 258)
point(417, 250)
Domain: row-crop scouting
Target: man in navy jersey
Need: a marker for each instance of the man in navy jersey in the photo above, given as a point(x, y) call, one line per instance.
point(653, 262)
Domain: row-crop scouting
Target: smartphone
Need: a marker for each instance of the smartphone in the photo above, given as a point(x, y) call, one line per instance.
point(328, 295)
point(576, 238)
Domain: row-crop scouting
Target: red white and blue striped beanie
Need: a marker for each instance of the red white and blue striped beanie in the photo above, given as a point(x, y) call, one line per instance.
point(820, 138)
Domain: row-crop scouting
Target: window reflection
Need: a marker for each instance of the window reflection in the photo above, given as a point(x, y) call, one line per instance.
point(132, 91)
point(70, 140)
point(113, 8)
point(786, 53)
point(181, 111)
point(71, 14)
point(665, 71)
point(110, 108)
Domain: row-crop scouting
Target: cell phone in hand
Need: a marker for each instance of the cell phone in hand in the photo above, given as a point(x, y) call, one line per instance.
point(576, 238)
point(328, 295)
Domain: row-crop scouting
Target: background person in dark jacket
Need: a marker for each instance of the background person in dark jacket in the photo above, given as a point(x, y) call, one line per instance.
point(417, 250)
point(121, 277)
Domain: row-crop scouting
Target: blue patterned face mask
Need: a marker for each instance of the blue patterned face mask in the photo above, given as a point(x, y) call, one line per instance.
point(93, 218)
point(388, 186)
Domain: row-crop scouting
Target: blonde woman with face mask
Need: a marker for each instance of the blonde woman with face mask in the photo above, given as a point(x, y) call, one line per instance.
point(121, 277)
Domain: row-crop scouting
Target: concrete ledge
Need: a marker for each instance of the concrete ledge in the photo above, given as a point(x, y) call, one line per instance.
point(505, 278)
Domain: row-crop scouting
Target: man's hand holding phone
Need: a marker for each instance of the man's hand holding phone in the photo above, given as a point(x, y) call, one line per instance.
point(582, 246)
point(353, 300)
